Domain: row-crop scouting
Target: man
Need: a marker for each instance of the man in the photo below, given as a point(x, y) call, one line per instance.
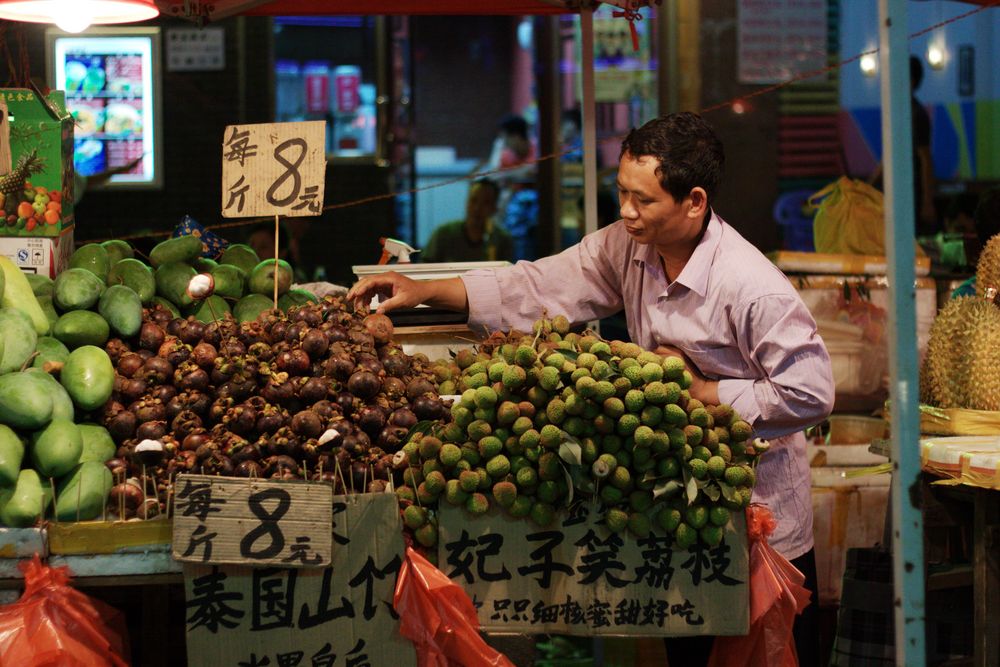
point(478, 237)
point(691, 286)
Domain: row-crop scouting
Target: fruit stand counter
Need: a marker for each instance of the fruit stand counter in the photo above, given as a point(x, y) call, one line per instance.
point(964, 489)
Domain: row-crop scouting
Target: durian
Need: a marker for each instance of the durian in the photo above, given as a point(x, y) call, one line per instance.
point(960, 369)
point(988, 267)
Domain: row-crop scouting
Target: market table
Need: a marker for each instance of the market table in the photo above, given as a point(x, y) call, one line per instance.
point(948, 485)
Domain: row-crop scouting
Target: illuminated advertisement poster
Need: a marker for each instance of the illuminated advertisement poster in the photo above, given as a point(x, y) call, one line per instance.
point(111, 79)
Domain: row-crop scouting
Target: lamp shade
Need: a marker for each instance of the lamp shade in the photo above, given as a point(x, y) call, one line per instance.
point(78, 13)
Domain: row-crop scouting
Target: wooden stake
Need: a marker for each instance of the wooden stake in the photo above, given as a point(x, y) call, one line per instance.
point(277, 231)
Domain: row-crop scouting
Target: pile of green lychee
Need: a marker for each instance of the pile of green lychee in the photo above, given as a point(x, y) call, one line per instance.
point(553, 417)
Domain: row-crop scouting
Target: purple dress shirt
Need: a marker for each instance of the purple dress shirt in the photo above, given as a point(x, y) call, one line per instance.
point(731, 311)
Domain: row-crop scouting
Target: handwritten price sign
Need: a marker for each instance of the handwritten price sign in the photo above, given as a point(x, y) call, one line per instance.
point(273, 169)
point(252, 522)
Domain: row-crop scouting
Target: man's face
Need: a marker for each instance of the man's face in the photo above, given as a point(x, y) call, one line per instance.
point(652, 215)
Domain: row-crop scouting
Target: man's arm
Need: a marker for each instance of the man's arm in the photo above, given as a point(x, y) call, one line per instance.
point(795, 389)
point(398, 291)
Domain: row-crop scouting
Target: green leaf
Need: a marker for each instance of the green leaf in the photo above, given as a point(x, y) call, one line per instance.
point(667, 488)
point(692, 490)
point(570, 451)
point(711, 491)
point(422, 427)
point(727, 492)
point(650, 476)
point(569, 484)
point(572, 355)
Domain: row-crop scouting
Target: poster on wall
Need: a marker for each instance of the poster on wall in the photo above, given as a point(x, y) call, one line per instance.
point(780, 39)
point(112, 80)
point(622, 73)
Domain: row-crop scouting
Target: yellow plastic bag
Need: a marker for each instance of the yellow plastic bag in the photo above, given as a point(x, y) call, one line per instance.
point(849, 218)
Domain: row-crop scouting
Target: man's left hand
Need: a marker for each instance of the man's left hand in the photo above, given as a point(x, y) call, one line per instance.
point(703, 389)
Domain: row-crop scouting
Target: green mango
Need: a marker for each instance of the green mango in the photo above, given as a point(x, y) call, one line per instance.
point(98, 446)
point(49, 350)
point(83, 493)
point(122, 308)
point(296, 297)
point(92, 257)
point(133, 273)
point(88, 376)
point(45, 301)
point(241, 255)
point(204, 264)
point(17, 294)
point(118, 250)
point(172, 282)
point(249, 307)
point(11, 455)
point(261, 279)
point(211, 309)
point(19, 339)
point(77, 289)
point(40, 285)
point(55, 450)
point(185, 248)
point(230, 281)
point(27, 504)
point(25, 401)
point(62, 404)
point(81, 327)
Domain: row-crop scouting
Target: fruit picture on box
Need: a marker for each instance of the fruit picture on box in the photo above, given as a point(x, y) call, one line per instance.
point(26, 206)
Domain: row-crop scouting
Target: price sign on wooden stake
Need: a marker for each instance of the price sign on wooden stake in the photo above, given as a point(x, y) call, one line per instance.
point(252, 521)
point(273, 169)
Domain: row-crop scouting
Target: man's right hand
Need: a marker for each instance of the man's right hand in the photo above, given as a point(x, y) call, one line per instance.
point(392, 289)
point(398, 291)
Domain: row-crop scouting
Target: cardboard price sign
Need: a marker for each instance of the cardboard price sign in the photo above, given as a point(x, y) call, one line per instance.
point(252, 521)
point(576, 577)
point(333, 617)
point(273, 169)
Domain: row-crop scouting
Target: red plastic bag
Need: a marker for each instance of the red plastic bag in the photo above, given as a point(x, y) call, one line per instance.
point(55, 625)
point(776, 597)
point(439, 618)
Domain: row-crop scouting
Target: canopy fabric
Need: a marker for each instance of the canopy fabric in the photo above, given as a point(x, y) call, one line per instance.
point(377, 7)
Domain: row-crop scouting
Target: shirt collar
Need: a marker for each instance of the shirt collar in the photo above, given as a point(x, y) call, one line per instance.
point(695, 273)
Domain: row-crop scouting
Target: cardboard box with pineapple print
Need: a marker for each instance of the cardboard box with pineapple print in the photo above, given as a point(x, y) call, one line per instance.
point(37, 195)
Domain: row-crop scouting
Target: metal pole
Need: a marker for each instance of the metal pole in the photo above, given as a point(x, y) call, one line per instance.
point(588, 108)
point(668, 74)
point(897, 157)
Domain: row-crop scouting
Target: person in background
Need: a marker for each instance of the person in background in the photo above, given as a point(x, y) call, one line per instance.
point(477, 238)
point(987, 221)
point(571, 130)
point(514, 152)
point(692, 288)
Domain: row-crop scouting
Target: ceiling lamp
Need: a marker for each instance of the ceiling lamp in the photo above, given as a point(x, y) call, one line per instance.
point(78, 15)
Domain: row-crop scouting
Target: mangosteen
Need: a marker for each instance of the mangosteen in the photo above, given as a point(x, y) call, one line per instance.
point(403, 417)
point(379, 327)
point(116, 349)
point(174, 351)
point(194, 441)
point(149, 452)
point(377, 486)
point(185, 423)
point(204, 354)
point(277, 331)
point(151, 430)
point(396, 365)
point(220, 407)
point(157, 370)
point(184, 461)
point(295, 331)
point(248, 468)
point(129, 364)
point(371, 419)
point(428, 407)
point(345, 400)
point(261, 351)
point(130, 389)
point(232, 347)
point(122, 425)
point(307, 424)
point(364, 384)
point(391, 438)
point(335, 332)
point(418, 387)
point(278, 392)
point(240, 419)
point(151, 336)
point(340, 367)
point(393, 388)
point(118, 467)
point(315, 343)
point(271, 420)
point(148, 409)
point(314, 389)
point(274, 466)
point(360, 337)
point(163, 393)
point(360, 476)
point(247, 452)
point(325, 409)
point(239, 390)
point(368, 362)
point(294, 362)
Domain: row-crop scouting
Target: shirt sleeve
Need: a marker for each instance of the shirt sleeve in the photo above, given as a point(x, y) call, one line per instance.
point(583, 283)
point(795, 389)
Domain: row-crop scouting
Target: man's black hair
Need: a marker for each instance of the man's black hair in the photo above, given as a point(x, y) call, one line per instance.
point(514, 124)
point(688, 150)
point(987, 216)
point(916, 72)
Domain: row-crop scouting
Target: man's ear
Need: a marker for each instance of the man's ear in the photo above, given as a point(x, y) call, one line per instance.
point(699, 202)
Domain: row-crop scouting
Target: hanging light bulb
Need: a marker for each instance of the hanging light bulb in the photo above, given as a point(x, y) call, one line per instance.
point(868, 64)
point(935, 56)
point(78, 15)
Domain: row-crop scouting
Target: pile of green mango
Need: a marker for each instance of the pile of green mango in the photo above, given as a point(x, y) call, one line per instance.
point(52, 459)
point(104, 289)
